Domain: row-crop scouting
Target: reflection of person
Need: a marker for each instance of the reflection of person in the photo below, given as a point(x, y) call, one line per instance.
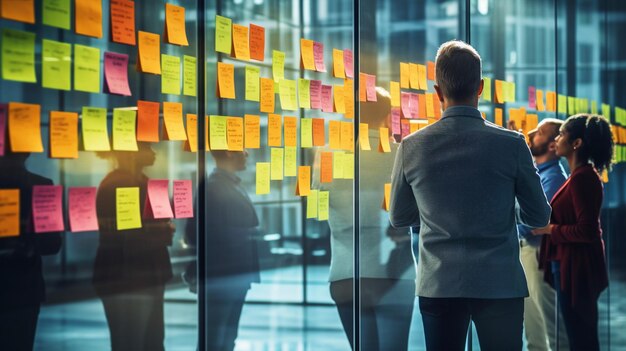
point(132, 266)
point(387, 285)
point(21, 275)
point(459, 178)
point(539, 307)
point(232, 263)
point(574, 238)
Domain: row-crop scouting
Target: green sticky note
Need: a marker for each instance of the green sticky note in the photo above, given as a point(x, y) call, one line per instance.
point(594, 107)
point(323, 202)
point(278, 65)
point(95, 132)
point(291, 161)
point(306, 132)
point(277, 156)
point(262, 178)
point(288, 98)
point(18, 56)
point(311, 204)
point(562, 103)
point(56, 65)
point(253, 92)
point(486, 89)
point(124, 135)
point(189, 75)
point(348, 166)
point(56, 13)
point(304, 93)
point(218, 125)
point(509, 93)
point(571, 105)
point(338, 164)
point(170, 74)
point(223, 34)
point(606, 111)
point(86, 69)
point(127, 210)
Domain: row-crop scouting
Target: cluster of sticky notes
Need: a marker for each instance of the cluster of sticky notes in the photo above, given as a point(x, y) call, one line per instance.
point(244, 43)
point(505, 91)
point(343, 63)
point(312, 55)
point(318, 205)
point(158, 205)
point(413, 76)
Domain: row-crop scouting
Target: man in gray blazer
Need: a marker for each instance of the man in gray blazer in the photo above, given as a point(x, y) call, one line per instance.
point(459, 179)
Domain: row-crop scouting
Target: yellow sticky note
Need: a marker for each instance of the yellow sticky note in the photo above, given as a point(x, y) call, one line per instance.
point(88, 15)
point(348, 166)
point(499, 97)
point(323, 205)
point(225, 80)
point(364, 139)
point(86, 69)
point(267, 95)
point(423, 82)
point(9, 212)
point(347, 136)
point(291, 161)
point(413, 76)
point(223, 34)
point(383, 145)
point(498, 119)
point(430, 107)
point(95, 132)
point(240, 42)
point(56, 13)
point(274, 130)
point(18, 10)
point(253, 92)
point(262, 178)
point(304, 93)
point(124, 133)
point(218, 132)
point(303, 185)
point(175, 25)
point(189, 76)
point(387, 197)
point(277, 155)
point(291, 131)
point(311, 204)
point(148, 52)
point(288, 98)
point(56, 65)
point(404, 75)
point(338, 164)
point(339, 99)
point(306, 54)
point(170, 74)
point(486, 89)
point(278, 65)
point(252, 131)
point(192, 133)
point(173, 121)
point(234, 126)
point(539, 99)
point(127, 210)
point(63, 134)
point(306, 132)
point(24, 127)
point(334, 134)
point(338, 64)
point(18, 55)
point(394, 88)
point(510, 91)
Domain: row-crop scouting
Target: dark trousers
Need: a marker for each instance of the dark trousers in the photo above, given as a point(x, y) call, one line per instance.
point(498, 323)
point(386, 311)
point(224, 305)
point(581, 322)
point(17, 328)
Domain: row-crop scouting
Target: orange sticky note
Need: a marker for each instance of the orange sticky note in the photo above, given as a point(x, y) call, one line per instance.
point(404, 75)
point(191, 144)
point(175, 32)
point(339, 104)
point(364, 138)
point(267, 95)
point(24, 127)
point(148, 121)
point(338, 65)
point(362, 87)
point(499, 91)
point(348, 97)
point(386, 197)
point(225, 80)
point(18, 10)
point(414, 76)
point(240, 42)
point(334, 134)
point(234, 133)
point(291, 131)
point(319, 132)
point(498, 117)
point(303, 186)
point(63, 134)
point(306, 54)
point(9, 212)
point(88, 15)
point(436, 105)
point(252, 131)
point(347, 136)
point(421, 98)
point(430, 67)
point(149, 52)
point(173, 120)
point(257, 42)
point(540, 104)
point(551, 101)
point(383, 145)
point(326, 167)
point(123, 21)
point(274, 130)
point(430, 105)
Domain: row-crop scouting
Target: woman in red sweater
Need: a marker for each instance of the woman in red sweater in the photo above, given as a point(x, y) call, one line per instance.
point(572, 246)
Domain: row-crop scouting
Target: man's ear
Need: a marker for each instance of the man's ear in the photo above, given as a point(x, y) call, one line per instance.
point(480, 87)
point(552, 146)
point(439, 93)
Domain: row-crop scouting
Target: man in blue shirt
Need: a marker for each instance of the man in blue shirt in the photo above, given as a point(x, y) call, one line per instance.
point(539, 307)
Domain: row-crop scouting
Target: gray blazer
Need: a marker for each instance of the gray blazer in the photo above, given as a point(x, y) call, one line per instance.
point(459, 179)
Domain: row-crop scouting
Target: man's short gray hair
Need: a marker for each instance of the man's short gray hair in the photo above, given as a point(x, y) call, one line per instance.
point(458, 70)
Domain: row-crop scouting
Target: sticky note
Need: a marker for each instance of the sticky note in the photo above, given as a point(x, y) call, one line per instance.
point(348, 98)
point(48, 208)
point(594, 107)
point(278, 65)
point(414, 104)
point(303, 185)
point(225, 80)
point(386, 197)
point(56, 13)
point(326, 167)
point(234, 132)
point(363, 87)
point(94, 129)
point(404, 75)
point(430, 107)
point(364, 140)
point(3, 126)
point(306, 132)
point(191, 144)
point(189, 76)
point(486, 89)
point(498, 117)
point(116, 73)
point(257, 42)
point(414, 76)
point(86, 69)
point(327, 101)
point(148, 121)
point(157, 203)
point(318, 55)
point(56, 64)
point(323, 201)
point(290, 125)
point(315, 89)
point(18, 10)
point(127, 211)
point(395, 121)
point(253, 92)
point(405, 103)
point(287, 92)
point(183, 199)
point(571, 105)
point(149, 52)
point(394, 90)
point(175, 25)
point(24, 127)
point(562, 103)
point(267, 95)
point(274, 130)
point(339, 104)
point(262, 178)
point(63, 134)
point(347, 136)
point(124, 132)
point(334, 134)
point(370, 85)
point(82, 209)
point(123, 22)
point(430, 68)
point(223, 34)
point(88, 16)
point(241, 42)
point(252, 131)
point(18, 55)
point(383, 145)
point(348, 63)
point(173, 121)
point(304, 95)
point(499, 97)
point(421, 71)
point(306, 54)
point(291, 161)
point(348, 166)
point(532, 120)
point(9, 212)
point(338, 64)
point(338, 164)
point(170, 74)
point(218, 132)
point(422, 105)
point(319, 132)
point(311, 204)
point(277, 155)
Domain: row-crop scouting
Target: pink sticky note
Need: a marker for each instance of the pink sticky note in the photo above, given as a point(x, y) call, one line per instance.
point(414, 104)
point(316, 94)
point(370, 87)
point(158, 200)
point(395, 121)
point(82, 206)
point(532, 97)
point(48, 208)
point(3, 126)
point(327, 98)
point(405, 99)
point(406, 128)
point(183, 202)
point(116, 73)
point(348, 63)
point(318, 56)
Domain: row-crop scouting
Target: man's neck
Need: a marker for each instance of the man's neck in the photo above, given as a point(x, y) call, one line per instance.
point(448, 103)
point(545, 159)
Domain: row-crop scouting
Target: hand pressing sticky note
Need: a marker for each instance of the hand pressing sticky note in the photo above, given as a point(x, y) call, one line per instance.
point(252, 131)
point(183, 199)
point(191, 144)
point(63, 134)
point(338, 64)
point(347, 136)
point(311, 204)
point(218, 130)
point(170, 74)
point(304, 93)
point(291, 131)
point(56, 65)
point(404, 75)
point(274, 130)
point(124, 133)
point(386, 197)
point(9, 212)
point(240, 42)
point(116, 74)
point(383, 145)
point(157, 203)
point(48, 208)
point(86, 69)
point(149, 53)
point(278, 65)
point(18, 10)
point(175, 32)
point(56, 13)
point(148, 121)
point(253, 92)
point(262, 178)
point(364, 140)
point(123, 22)
point(173, 121)
point(326, 167)
point(223, 34)
point(127, 211)
point(303, 185)
point(277, 155)
point(94, 129)
point(291, 161)
point(307, 58)
point(24, 127)
point(82, 209)
point(348, 63)
point(319, 132)
point(257, 42)
point(323, 205)
point(18, 56)
point(288, 95)
point(306, 133)
point(234, 133)
point(225, 80)
point(318, 56)
point(88, 15)
point(189, 76)
point(267, 95)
